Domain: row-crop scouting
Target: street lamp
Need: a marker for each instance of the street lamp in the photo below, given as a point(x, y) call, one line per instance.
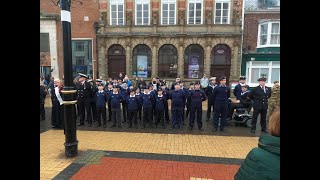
point(71, 142)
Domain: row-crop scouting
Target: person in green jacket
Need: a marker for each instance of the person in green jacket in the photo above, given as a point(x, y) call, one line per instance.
point(263, 162)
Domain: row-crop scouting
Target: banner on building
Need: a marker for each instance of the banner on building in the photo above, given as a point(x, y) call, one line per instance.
point(45, 59)
point(142, 66)
point(194, 67)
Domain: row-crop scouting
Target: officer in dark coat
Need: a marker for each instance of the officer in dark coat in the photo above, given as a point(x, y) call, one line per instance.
point(43, 94)
point(191, 88)
point(165, 93)
point(196, 97)
point(185, 90)
point(93, 103)
point(109, 91)
point(178, 99)
point(209, 93)
point(83, 99)
point(221, 95)
point(237, 89)
point(260, 95)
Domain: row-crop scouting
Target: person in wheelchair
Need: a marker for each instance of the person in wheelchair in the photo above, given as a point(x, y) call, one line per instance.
point(241, 102)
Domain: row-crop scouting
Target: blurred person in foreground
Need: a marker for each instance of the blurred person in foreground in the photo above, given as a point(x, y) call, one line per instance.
point(263, 162)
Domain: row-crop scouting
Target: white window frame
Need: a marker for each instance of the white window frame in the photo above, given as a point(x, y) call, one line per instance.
point(270, 66)
point(215, 9)
point(117, 3)
point(268, 34)
point(175, 11)
point(135, 12)
point(194, 2)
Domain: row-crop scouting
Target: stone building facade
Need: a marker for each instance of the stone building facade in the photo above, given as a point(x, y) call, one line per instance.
point(169, 38)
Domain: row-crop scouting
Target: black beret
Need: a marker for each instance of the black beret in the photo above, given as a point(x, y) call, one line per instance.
point(262, 79)
point(222, 78)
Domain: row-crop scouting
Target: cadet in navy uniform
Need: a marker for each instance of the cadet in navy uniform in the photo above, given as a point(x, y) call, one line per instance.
point(260, 95)
point(196, 97)
point(83, 98)
point(147, 104)
point(178, 99)
point(116, 98)
point(165, 92)
point(139, 96)
point(160, 103)
point(133, 103)
point(237, 89)
point(101, 99)
point(109, 91)
point(125, 93)
point(191, 88)
point(243, 102)
point(221, 95)
point(209, 93)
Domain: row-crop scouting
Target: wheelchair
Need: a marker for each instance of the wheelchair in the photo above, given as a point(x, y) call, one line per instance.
point(241, 116)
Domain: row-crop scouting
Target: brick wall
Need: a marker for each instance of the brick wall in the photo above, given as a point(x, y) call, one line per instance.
point(79, 27)
point(251, 23)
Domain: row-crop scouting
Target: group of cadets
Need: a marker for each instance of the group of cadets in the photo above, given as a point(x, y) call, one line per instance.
point(147, 105)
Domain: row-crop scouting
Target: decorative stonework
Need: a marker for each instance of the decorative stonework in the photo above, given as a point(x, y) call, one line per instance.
point(209, 16)
point(129, 17)
point(104, 16)
point(181, 16)
point(208, 43)
point(155, 16)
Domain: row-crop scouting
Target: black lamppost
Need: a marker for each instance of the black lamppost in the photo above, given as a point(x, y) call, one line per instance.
point(71, 144)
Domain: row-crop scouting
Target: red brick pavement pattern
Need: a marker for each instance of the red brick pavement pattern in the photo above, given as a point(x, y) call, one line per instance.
point(122, 168)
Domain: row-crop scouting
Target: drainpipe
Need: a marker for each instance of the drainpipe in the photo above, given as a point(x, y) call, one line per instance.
point(242, 30)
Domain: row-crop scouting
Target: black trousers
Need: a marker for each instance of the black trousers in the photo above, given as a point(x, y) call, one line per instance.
point(139, 114)
point(159, 117)
point(166, 113)
point(42, 111)
point(132, 115)
point(93, 105)
point(87, 105)
point(263, 114)
point(210, 105)
point(81, 110)
point(125, 111)
point(188, 109)
point(116, 116)
point(101, 111)
point(195, 109)
point(109, 109)
point(177, 115)
point(220, 109)
point(147, 116)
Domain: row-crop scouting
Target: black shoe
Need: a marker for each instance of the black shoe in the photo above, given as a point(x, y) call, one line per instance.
point(124, 121)
point(171, 128)
point(43, 118)
point(190, 128)
point(113, 126)
point(143, 127)
point(136, 126)
point(200, 129)
point(163, 126)
point(130, 126)
point(215, 130)
point(253, 130)
point(181, 127)
point(168, 122)
point(109, 119)
point(183, 124)
point(265, 131)
point(104, 126)
point(89, 124)
point(207, 120)
point(98, 125)
point(80, 124)
point(223, 131)
point(120, 127)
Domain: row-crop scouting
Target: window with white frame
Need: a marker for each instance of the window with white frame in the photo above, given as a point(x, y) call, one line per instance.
point(222, 13)
point(116, 12)
point(268, 69)
point(168, 12)
point(269, 34)
point(195, 11)
point(142, 12)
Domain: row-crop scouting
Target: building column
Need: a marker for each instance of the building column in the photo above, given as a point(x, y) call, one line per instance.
point(234, 64)
point(128, 61)
point(181, 62)
point(102, 60)
point(154, 64)
point(207, 61)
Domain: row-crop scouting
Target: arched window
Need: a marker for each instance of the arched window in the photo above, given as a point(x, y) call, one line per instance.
point(167, 61)
point(193, 62)
point(116, 60)
point(141, 62)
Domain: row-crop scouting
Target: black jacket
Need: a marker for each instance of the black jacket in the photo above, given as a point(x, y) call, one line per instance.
point(43, 94)
point(260, 98)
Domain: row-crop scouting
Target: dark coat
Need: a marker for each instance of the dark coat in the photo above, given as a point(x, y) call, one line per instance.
point(262, 162)
point(260, 99)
